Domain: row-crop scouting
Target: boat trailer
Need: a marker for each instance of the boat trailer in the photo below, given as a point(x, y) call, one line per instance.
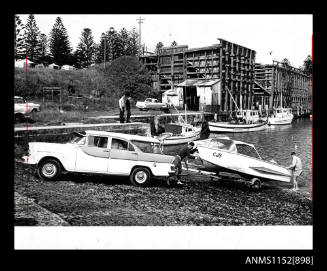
point(254, 183)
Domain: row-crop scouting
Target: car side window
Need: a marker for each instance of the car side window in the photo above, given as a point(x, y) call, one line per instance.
point(119, 144)
point(98, 141)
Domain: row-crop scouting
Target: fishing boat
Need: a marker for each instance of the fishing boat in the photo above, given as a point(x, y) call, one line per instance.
point(281, 115)
point(227, 155)
point(245, 121)
point(179, 133)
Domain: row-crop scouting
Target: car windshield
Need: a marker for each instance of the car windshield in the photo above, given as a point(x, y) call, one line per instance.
point(148, 147)
point(78, 140)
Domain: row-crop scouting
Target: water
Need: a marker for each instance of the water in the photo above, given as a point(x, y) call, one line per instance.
point(277, 142)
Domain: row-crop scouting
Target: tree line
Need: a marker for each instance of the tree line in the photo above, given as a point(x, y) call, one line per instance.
point(56, 48)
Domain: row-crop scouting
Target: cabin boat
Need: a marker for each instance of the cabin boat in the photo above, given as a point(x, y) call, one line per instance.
point(281, 116)
point(245, 121)
point(179, 133)
point(227, 155)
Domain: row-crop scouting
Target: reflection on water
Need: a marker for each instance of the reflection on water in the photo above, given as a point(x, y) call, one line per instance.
point(277, 142)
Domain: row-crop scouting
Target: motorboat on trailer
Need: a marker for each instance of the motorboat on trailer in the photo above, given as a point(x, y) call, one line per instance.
point(227, 155)
point(245, 121)
point(179, 133)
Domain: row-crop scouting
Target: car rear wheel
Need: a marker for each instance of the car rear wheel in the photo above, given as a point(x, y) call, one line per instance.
point(140, 176)
point(49, 169)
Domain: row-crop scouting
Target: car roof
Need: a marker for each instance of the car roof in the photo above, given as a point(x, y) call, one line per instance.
point(123, 136)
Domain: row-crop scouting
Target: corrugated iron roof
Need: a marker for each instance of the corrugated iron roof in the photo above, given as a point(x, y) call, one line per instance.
point(198, 82)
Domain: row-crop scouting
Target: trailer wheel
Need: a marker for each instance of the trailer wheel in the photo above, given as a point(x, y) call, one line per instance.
point(256, 184)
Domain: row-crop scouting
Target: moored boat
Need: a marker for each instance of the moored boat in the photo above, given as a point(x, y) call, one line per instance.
point(227, 155)
point(281, 116)
point(245, 121)
point(179, 133)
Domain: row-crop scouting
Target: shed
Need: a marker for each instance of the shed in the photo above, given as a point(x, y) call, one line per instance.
point(54, 66)
point(200, 94)
point(67, 67)
point(22, 63)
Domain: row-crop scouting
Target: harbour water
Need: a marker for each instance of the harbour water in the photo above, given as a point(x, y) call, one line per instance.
point(277, 143)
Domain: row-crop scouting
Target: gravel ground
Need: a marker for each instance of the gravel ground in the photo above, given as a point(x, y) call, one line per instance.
point(91, 201)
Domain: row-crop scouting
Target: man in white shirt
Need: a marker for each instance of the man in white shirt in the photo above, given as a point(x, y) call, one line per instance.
point(296, 168)
point(122, 105)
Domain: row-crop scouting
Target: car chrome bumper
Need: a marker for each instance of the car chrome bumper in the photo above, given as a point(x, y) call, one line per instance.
point(172, 173)
point(28, 160)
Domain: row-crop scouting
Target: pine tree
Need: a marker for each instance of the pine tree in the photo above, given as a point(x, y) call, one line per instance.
point(85, 49)
point(32, 39)
point(307, 65)
point(174, 43)
point(60, 47)
point(100, 57)
point(158, 47)
point(133, 42)
point(123, 39)
point(19, 48)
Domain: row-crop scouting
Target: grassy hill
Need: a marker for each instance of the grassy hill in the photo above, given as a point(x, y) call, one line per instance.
point(123, 74)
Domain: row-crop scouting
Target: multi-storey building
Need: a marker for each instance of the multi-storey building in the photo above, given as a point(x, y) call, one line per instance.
point(232, 64)
point(284, 82)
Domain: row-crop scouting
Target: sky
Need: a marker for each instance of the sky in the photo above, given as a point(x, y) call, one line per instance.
point(286, 36)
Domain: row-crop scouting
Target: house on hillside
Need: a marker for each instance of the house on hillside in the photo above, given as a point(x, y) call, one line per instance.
point(22, 63)
point(68, 67)
point(40, 66)
point(54, 66)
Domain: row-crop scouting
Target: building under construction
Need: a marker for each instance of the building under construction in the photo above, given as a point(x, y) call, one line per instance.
point(281, 81)
point(229, 63)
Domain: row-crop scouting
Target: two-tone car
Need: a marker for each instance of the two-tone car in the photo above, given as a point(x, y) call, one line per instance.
point(151, 103)
point(23, 108)
point(100, 152)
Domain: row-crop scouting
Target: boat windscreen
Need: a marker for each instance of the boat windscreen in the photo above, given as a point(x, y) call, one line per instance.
point(173, 128)
point(223, 144)
point(247, 150)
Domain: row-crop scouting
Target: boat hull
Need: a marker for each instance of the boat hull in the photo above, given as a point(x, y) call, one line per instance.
point(280, 121)
point(248, 167)
point(177, 140)
point(226, 127)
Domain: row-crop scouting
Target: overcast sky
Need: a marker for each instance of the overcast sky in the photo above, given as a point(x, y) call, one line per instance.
point(286, 36)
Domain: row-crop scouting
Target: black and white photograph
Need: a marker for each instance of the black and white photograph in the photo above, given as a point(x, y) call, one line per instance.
point(196, 126)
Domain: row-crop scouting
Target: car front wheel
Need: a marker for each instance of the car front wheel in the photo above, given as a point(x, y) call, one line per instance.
point(49, 169)
point(140, 176)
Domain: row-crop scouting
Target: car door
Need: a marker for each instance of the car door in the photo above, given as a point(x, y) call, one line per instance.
point(94, 155)
point(123, 157)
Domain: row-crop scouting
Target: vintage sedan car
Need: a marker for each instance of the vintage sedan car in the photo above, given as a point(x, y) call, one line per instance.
point(100, 152)
point(24, 109)
point(151, 103)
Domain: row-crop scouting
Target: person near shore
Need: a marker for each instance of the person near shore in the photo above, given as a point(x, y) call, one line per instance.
point(183, 154)
point(156, 127)
point(122, 106)
point(296, 168)
point(128, 107)
point(205, 131)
